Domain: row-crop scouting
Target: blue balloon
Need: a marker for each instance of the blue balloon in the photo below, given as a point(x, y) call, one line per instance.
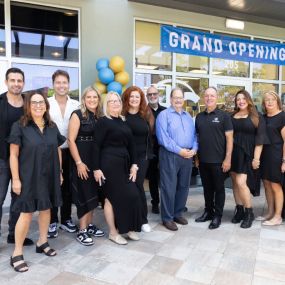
point(106, 75)
point(115, 86)
point(102, 63)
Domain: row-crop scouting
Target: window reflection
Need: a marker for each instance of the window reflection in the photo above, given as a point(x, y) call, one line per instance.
point(283, 96)
point(148, 54)
point(232, 68)
point(39, 77)
point(283, 72)
point(265, 71)
point(2, 30)
point(46, 33)
point(162, 82)
point(258, 89)
point(191, 63)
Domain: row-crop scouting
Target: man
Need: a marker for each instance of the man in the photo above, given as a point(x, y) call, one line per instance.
point(11, 109)
point(61, 107)
point(215, 138)
point(177, 137)
point(152, 95)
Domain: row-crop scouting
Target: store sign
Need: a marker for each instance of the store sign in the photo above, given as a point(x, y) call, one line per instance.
point(187, 41)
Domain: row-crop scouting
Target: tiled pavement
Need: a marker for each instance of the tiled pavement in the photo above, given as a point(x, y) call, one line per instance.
point(192, 255)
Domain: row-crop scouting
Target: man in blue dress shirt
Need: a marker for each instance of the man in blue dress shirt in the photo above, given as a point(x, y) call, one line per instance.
point(176, 135)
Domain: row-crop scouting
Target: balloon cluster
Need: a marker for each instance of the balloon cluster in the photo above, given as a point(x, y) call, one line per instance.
point(111, 75)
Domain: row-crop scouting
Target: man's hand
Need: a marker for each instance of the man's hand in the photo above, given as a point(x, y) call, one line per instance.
point(226, 166)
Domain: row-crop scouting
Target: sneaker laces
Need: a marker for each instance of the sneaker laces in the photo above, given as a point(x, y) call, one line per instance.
point(70, 223)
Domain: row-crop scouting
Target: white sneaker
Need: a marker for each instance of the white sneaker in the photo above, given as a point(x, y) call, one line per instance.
point(146, 228)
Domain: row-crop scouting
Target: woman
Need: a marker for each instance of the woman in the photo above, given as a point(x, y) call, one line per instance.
point(141, 121)
point(249, 137)
point(84, 187)
point(35, 161)
point(116, 170)
point(273, 158)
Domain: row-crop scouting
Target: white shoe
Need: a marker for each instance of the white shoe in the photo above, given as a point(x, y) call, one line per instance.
point(133, 236)
point(146, 228)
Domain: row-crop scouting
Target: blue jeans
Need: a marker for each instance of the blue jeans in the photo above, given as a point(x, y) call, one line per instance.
point(5, 177)
point(175, 175)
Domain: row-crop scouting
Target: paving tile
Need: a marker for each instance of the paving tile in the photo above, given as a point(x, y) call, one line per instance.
point(226, 277)
point(236, 263)
point(265, 281)
point(176, 252)
point(270, 270)
point(271, 255)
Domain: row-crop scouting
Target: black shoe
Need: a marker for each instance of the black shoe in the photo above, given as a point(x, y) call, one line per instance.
point(248, 218)
point(27, 241)
point(239, 214)
point(206, 216)
point(155, 209)
point(215, 223)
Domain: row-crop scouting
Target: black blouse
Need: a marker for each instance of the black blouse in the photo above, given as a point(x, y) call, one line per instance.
point(113, 136)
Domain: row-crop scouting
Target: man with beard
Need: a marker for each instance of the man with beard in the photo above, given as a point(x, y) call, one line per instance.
point(152, 95)
point(11, 109)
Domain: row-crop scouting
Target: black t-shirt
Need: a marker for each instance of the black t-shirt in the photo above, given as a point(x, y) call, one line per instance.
point(211, 128)
point(13, 115)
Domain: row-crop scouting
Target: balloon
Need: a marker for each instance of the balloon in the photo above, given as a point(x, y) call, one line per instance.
point(117, 64)
point(106, 75)
point(115, 86)
point(100, 86)
point(102, 63)
point(122, 77)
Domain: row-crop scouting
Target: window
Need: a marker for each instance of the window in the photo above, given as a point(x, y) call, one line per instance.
point(2, 30)
point(191, 63)
point(283, 73)
point(283, 96)
point(162, 82)
point(258, 89)
point(265, 71)
point(148, 54)
point(44, 32)
point(232, 68)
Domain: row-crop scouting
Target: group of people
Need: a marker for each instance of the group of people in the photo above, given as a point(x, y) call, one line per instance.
point(57, 151)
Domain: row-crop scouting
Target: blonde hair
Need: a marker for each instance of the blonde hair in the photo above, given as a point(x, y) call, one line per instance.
point(106, 112)
point(273, 94)
point(83, 107)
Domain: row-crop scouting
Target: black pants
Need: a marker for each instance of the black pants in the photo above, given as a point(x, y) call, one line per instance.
point(65, 210)
point(213, 178)
point(153, 179)
point(143, 165)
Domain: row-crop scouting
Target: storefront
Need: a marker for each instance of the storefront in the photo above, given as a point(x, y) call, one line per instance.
point(73, 34)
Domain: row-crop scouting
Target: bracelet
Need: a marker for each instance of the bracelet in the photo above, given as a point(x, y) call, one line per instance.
point(78, 162)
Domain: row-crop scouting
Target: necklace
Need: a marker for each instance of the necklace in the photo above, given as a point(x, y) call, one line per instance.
point(41, 125)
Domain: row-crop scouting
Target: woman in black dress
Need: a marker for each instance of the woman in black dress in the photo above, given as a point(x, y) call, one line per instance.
point(273, 158)
point(249, 137)
point(36, 173)
point(84, 187)
point(141, 121)
point(116, 169)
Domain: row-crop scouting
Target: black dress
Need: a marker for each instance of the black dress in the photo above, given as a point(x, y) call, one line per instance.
point(246, 137)
point(114, 152)
point(39, 167)
point(85, 192)
point(141, 132)
point(272, 154)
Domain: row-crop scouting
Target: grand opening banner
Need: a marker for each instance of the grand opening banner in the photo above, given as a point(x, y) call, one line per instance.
point(188, 41)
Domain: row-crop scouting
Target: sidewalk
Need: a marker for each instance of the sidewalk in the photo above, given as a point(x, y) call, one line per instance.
point(193, 255)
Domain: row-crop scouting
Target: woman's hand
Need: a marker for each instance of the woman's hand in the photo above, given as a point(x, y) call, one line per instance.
point(61, 178)
point(99, 177)
point(255, 163)
point(283, 167)
point(133, 173)
point(16, 186)
point(82, 171)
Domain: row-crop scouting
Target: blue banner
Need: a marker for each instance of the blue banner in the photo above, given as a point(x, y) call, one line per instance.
point(187, 41)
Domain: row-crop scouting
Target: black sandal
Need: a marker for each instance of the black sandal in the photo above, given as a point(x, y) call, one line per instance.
point(41, 249)
point(18, 268)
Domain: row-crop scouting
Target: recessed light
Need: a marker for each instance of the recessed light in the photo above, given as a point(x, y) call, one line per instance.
point(234, 24)
point(56, 54)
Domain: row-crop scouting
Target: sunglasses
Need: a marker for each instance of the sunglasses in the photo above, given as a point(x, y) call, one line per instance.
point(152, 94)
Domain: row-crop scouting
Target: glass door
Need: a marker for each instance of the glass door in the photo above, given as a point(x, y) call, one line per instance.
point(227, 88)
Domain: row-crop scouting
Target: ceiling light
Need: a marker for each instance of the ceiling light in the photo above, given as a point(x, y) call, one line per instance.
point(56, 54)
point(234, 24)
point(2, 49)
point(61, 38)
point(143, 66)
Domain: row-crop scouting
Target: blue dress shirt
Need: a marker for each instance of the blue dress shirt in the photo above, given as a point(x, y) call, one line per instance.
point(175, 130)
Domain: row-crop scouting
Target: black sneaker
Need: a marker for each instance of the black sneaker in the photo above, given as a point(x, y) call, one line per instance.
point(27, 241)
point(84, 238)
point(68, 226)
point(52, 231)
point(93, 230)
point(155, 209)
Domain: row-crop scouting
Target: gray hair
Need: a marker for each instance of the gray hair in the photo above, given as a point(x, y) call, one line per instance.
point(105, 105)
point(176, 89)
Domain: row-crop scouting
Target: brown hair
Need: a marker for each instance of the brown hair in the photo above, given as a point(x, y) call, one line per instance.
point(275, 95)
point(252, 112)
point(144, 110)
point(58, 73)
point(83, 108)
point(27, 117)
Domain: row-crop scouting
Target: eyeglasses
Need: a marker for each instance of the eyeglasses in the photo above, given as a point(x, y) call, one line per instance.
point(270, 100)
point(112, 102)
point(38, 103)
point(152, 94)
